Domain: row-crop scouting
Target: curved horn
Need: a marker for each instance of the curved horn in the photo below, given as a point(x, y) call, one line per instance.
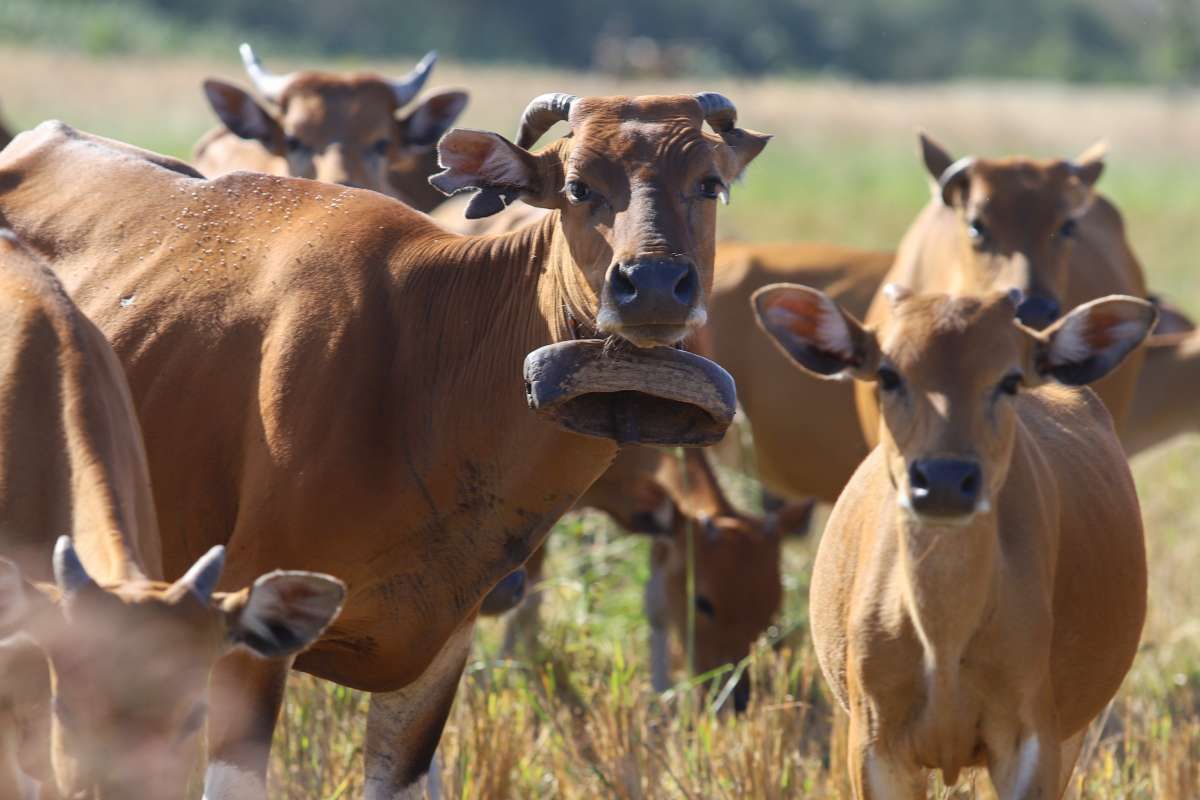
point(951, 174)
point(269, 86)
point(202, 578)
point(542, 112)
point(718, 110)
point(410, 85)
point(69, 572)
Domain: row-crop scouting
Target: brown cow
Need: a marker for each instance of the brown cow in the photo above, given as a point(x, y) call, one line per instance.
point(333, 127)
point(979, 592)
point(129, 654)
point(1019, 223)
point(344, 376)
point(649, 491)
point(1164, 403)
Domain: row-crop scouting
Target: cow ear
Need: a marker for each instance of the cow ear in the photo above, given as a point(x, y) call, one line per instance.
point(1093, 339)
point(743, 147)
point(815, 333)
point(13, 602)
point(937, 159)
point(791, 519)
point(432, 118)
point(239, 112)
point(1089, 165)
point(498, 169)
point(283, 612)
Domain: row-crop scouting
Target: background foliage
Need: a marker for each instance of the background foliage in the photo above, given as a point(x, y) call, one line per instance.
point(901, 40)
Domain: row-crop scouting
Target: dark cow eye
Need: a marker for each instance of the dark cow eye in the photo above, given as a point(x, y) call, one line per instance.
point(705, 606)
point(978, 232)
point(889, 379)
point(578, 191)
point(1068, 229)
point(381, 147)
point(294, 145)
point(193, 722)
point(1011, 383)
point(711, 188)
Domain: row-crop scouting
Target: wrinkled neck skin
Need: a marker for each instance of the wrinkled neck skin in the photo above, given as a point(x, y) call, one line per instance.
point(948, 583)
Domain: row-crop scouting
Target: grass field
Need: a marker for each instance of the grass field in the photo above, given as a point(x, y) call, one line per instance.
point(579, 719)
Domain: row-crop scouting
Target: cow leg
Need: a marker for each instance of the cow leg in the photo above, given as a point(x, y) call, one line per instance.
point(875, 772)
point(1069, 754)
point(404, 727)
point(654, 601)
point(246, 693)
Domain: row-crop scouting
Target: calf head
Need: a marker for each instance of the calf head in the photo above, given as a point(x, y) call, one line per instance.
point(130, 662)
point(1016, 221)
point(735, 556)
point(635, 185)
point(340, 128)
point(949, 371)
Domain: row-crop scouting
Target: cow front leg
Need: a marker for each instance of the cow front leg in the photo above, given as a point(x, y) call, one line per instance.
point(245, 695)
point(405, 726)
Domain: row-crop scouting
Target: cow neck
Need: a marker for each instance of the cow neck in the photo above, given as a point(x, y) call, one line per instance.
point(948, 580)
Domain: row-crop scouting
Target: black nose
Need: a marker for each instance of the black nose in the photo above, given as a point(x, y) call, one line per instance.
point(741, 692)
point(944, 487)
point(654, 292)
point(1038, 311)
point(505, 595)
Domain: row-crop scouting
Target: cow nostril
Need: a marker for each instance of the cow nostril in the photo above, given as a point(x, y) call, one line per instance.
point(685, 287)
point(970, 484)
point(917, 480)
point(623, 288)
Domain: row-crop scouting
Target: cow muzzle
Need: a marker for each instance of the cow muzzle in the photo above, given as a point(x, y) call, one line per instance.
point(651, 302)
point(945, 488)
point(659, 396)
point(1038, 311)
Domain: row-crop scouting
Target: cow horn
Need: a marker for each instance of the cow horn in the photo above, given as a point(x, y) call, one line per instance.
point(269, 86)
point(410, 85)
point(69, 572)
point(951, 174)
point(718, 111)
point(542, 112)
point(202, 578)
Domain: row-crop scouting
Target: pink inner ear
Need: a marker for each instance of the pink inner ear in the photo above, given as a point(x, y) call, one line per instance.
point(466, 154)
point(799, 312)
point(1101, 325)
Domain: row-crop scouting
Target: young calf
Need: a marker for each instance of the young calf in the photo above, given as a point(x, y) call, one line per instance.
point(125, 657)
point(981, 587)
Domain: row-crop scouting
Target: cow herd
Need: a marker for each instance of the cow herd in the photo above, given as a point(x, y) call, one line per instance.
point(263, 413)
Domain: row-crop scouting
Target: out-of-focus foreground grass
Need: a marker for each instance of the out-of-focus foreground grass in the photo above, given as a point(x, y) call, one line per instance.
point(579, 718)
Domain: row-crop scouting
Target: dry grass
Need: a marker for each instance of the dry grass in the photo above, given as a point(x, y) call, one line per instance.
point(580, 719)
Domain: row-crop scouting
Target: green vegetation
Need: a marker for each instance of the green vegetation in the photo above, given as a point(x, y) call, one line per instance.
point(1075, 40)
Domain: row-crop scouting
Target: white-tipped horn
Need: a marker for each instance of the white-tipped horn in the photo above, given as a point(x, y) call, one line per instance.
point(69, 572)
point(269, 86)
point(410, 85)
point(203, 577)
point(951, 175)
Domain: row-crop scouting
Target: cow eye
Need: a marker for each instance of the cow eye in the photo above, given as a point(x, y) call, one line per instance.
point(1011, 383)
point(978, 232)
point(381, 147)
point(194, 720)
point(711, 188)
point(1068, 229)
point(294, 145)
point(889, 379)
point(578, 191)
point(705, 606)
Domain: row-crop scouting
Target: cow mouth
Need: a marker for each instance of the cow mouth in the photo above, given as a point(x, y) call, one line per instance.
point(659, 395)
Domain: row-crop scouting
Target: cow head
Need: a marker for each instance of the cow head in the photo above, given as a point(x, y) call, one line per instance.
point(949, 370)
point(1017, 220)
point(130, 662)
point(337, 128)
point(735, 556)
point(635, 184)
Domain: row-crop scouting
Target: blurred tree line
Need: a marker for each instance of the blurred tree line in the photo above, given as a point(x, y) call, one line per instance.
point(901, 40)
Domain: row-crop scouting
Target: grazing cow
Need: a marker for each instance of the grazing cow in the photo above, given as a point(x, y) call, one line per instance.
point(320, 355)
point(130, 655)
point(333, 127)
point(980, 590)
point(649, 491)
point(1017, 223)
